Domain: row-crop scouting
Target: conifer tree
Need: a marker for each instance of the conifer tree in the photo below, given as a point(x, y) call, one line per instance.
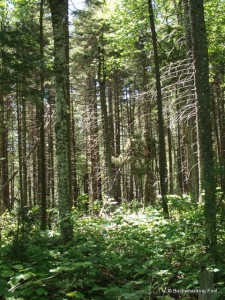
point(59, 11)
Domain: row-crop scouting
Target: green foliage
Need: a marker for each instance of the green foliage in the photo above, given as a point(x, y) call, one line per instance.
point(130, 255)
point(180, 204)
point(83, 203)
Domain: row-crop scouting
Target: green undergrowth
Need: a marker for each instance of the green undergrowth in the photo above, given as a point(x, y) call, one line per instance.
point(126, 255)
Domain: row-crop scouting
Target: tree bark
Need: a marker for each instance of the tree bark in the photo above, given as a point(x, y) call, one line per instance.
point(41, 121)
point(192, 126)
point(59, 11)
point(162, 146)
point(4, 156)
point(20, 153)
point(117, 129)
point(95, 192)
point(200, 50)
point(105, 118)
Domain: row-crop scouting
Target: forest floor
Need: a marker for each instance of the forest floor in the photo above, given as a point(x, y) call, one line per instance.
point(132, 254)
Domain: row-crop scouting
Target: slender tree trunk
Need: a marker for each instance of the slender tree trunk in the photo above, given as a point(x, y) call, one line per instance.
point(20, 153)
point(86, 172)
point(24, 150)
point(4, 170)
point(93, 141)
point(4, 155)
point(200, 51)
point(51, 160)
point(12, 170)
point(130, 177)
point(180, 178)
point(149, 194)
point(41, 119)
point(162, 146)
point(192, 128)
point(75, 188)
point(117, 129)
point(187, 26)
point(35, 178)
point(105, 120)
point(219, 125)
point(59, 11)
point(170, 151)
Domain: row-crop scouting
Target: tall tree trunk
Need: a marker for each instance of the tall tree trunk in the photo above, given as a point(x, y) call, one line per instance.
point(219, 125)
point(51, 160)
point(187, 26)
point(92, 116)
point(200, 50)
point(59, 11)
point(24, 150)
point(41, 119)
point(170, 151)
point(4, 171)
point(4, 196)
point(149, 193)
point(162, 146)
point(192, 126)
point(130, 175)
point(105, 119)
point(20, 153)
point(75, 188)
point(117, 133)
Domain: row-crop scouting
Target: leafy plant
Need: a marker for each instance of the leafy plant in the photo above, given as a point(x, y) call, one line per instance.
point(126, 255)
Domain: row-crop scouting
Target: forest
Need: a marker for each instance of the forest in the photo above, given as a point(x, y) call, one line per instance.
point(112, 149)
